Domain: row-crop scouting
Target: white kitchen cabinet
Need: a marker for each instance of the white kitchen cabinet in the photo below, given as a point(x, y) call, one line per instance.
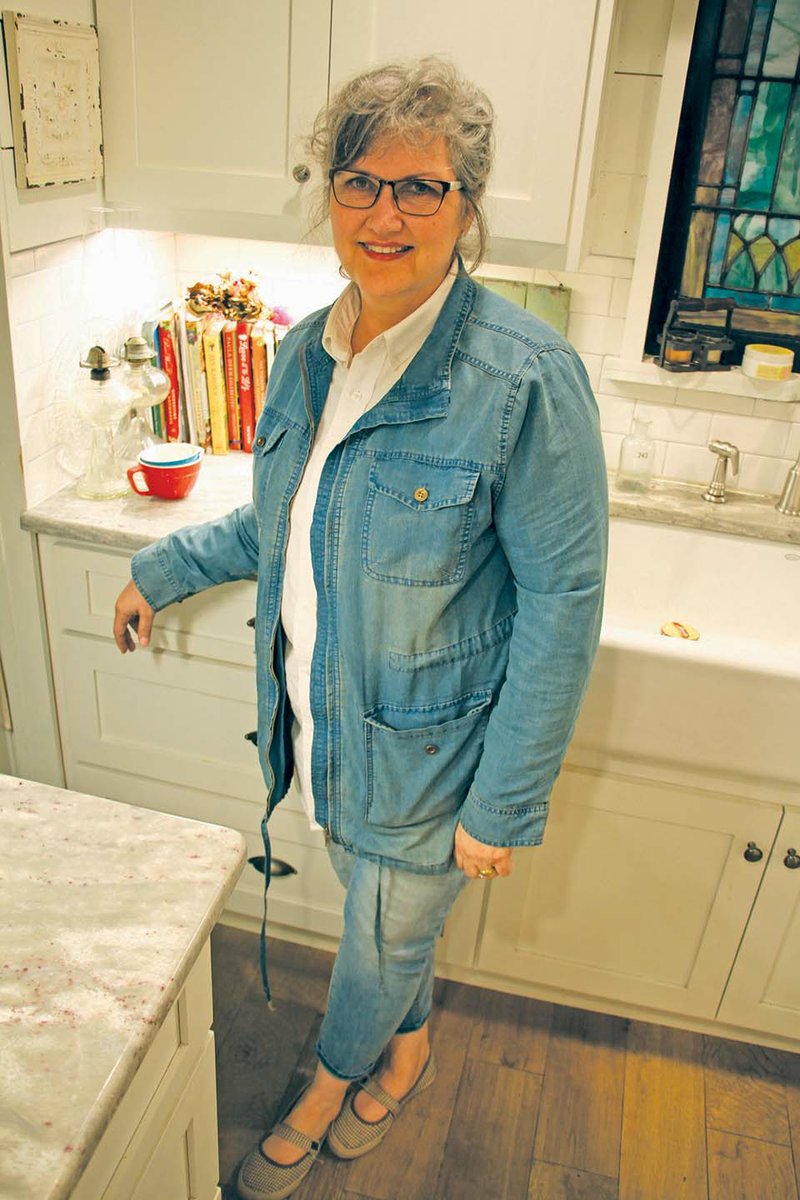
point(162, 1138)
point(203, 106)
point(764, 987)
point(533, 60)
point(206, 113)
point(640, 899)
point(165, 727)
point(639, 893)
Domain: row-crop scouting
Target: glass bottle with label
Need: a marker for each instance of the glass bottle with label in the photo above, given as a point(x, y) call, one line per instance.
point(636, 458)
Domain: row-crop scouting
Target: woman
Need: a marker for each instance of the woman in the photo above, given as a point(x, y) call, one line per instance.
point(428, 530)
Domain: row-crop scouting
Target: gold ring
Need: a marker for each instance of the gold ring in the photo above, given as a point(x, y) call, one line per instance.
point(487, 873)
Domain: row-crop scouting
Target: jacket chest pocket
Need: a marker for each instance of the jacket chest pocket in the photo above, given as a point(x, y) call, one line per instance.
point(417, 521)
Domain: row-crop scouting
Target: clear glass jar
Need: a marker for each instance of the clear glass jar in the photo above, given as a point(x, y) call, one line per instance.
point(636, 458)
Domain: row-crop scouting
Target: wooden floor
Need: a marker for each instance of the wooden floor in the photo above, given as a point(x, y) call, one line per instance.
point(533, 1101)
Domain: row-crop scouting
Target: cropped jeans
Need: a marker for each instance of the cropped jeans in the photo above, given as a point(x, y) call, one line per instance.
point(382, 981)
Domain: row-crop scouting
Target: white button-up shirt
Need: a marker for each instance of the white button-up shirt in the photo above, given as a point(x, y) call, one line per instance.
point(359, 381)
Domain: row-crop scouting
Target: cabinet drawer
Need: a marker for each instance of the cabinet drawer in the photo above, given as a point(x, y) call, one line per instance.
point(82, 584)
point(161, 1077)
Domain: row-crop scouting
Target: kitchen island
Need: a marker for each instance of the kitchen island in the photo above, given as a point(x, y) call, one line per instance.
point(105, 994)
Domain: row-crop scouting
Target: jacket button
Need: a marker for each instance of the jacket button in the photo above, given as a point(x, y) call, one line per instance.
point(421, 494)
point(262, 441)
point(431, 748)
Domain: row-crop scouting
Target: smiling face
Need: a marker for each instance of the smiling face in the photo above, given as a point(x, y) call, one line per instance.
point(398, 260)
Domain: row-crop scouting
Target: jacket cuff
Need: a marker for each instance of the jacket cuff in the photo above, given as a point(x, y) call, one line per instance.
point(510, 825)
point(151, 573)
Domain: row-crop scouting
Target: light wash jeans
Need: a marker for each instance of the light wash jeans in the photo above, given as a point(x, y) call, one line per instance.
point(382, 981)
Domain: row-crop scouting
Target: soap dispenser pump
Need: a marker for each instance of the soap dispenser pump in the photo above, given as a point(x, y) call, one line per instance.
point(636, 458)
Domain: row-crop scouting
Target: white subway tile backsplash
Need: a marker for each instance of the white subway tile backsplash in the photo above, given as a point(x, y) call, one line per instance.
point(611, 446)
point(33, 390)
point(691, 464)
point(615, 414)
point(58, 254)
point(26, 346)
point(752, 435)
point(45, 296)
point(759, 474)
point(36, 295)
point(672, 424)
point(594, 366)
point(43, 476)
point(595, 334)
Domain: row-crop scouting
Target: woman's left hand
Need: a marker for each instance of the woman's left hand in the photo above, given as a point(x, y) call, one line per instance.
point(476, 859)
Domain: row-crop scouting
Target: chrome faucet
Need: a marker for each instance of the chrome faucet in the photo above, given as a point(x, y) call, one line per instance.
point(789, 503)
point(726, 453)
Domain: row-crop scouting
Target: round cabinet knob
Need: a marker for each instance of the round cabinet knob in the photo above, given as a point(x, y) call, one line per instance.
point(792, 860)
point(752, 853)
point(301, 173)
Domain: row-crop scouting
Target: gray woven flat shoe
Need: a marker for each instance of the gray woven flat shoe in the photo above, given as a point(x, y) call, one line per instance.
point(350, 1136)
point(260, 1178)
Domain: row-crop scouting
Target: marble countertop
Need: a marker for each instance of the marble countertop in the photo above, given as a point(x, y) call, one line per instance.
point(105, 909)
point(224, 483)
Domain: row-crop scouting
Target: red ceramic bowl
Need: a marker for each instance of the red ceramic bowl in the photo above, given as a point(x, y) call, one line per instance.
point(168, 483)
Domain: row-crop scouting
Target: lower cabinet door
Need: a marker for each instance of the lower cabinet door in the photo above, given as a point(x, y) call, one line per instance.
point(184, 1164)
point(763, 992)
point(640, 893)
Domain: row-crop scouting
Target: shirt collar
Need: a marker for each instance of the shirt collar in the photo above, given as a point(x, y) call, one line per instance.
point(401, 342)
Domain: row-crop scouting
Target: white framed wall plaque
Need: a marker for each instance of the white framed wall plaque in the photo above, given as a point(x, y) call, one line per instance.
point(54, 88)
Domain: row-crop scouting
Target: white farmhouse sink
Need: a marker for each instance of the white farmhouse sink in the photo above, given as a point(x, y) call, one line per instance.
point(729, 702)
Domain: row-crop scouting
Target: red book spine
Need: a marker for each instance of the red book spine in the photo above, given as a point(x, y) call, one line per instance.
point(169, 365)
point(247, 405)
point(231, 386)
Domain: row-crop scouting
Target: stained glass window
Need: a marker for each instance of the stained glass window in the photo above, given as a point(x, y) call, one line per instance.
point(733, 218)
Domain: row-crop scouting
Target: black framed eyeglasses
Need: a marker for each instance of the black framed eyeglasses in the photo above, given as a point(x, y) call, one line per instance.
point(413, 196)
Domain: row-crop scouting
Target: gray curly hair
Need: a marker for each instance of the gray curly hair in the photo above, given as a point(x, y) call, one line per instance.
point(413, 101)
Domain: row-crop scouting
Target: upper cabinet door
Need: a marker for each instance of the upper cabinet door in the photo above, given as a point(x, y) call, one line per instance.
point(531, 57)
point(204, 104)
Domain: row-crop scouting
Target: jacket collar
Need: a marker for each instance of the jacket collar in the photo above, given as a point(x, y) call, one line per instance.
point(423, 390)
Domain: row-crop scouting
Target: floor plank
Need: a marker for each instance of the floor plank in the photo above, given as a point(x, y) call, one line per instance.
point(663, 1127)
point(491, 1134)
point(790, 1069)
point(408, 1162)
point(580, 1117)
point(511, 1031)
point(549, 1181)
point(745, 1092)
point(506, 1064)
point(742, 1168)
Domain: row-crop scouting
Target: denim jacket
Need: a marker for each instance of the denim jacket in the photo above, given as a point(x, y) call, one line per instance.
point(458, 547)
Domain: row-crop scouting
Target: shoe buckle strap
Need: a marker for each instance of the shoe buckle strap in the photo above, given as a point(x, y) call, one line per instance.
point(295, 1137)
point(374, 1089)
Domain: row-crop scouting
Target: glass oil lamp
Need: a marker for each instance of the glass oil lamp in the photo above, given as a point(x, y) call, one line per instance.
point(101, 401)
point(147, 386)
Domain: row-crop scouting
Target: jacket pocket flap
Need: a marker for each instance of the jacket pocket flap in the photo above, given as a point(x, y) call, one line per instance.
point(269, 431)
point(424, 485)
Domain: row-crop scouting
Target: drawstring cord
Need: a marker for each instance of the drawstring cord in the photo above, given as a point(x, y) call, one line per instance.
point(262, 951)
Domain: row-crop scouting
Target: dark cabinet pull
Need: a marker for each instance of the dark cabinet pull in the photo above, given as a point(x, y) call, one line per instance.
point(792, 860)
point(278, 867)
point(252, 736)
point(753, 853)
point(251, 624)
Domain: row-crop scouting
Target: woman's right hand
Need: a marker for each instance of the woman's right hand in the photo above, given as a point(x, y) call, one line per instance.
point(132, 611)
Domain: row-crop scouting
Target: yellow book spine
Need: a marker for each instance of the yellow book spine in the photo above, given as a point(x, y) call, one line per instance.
point(215, 381)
